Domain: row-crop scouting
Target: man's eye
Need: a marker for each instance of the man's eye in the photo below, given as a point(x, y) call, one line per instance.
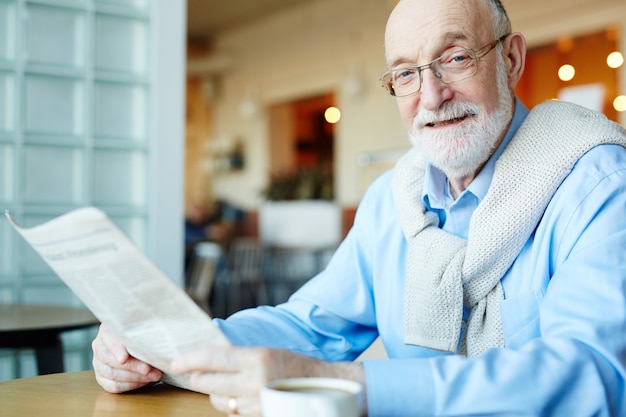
point(456, 59)
point(404, 75)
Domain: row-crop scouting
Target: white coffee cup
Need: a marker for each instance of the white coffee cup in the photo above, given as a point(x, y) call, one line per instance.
point(312, 397)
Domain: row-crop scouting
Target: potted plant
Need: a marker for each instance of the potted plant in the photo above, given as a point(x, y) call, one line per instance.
point(299, 211)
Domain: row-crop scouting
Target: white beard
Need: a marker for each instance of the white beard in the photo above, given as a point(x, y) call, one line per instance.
point(460, 151)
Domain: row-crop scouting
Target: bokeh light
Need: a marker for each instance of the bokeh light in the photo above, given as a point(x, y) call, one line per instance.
point(332, 115)
point(615, 60)
point(566, 72)
point(619, 103)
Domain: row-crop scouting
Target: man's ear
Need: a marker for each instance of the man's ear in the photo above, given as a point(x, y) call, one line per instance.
point(514, 50)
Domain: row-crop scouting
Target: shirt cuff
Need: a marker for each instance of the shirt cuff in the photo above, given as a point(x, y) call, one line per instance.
point(399, 387)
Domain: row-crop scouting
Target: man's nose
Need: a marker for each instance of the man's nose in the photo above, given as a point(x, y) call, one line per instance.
point(433, 92)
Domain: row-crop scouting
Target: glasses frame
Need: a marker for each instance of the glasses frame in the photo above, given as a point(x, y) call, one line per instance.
point(477, 54)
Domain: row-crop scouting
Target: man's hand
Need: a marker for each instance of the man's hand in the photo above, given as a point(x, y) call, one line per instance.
point(117, 371)
point(235, 375)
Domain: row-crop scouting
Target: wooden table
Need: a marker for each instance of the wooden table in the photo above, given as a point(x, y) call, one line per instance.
point(39, 327)
point(77, 394)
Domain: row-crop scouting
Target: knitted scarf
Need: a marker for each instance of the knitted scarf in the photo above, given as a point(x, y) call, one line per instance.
point(445, 272)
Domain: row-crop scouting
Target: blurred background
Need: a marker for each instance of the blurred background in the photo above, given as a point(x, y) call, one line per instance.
point(252, 125)
point(260, 75)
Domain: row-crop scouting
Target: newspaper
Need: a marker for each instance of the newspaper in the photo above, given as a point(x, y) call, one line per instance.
point(153, 317)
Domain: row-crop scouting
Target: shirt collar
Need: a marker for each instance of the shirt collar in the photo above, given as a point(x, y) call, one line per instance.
point(436, 184)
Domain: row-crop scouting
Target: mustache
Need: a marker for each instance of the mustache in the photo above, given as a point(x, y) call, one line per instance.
point(447, 112)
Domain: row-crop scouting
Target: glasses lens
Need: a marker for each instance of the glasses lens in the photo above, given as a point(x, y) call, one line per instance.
point(402, 81)
point(455, 66)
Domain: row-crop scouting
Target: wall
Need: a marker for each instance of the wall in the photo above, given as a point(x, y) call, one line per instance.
point(198, 122)
point(316, 48)
point(305, 52)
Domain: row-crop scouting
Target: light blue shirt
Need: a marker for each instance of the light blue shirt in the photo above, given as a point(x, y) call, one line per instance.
point(564, 313)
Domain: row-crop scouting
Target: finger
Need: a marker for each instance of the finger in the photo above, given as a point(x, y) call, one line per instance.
point(119, 380)
point(222, 384)
point(102, 349)
point(117, 387)
point(126, 372)
point(113, 344)
point(218, 359)
point(237, 384)
point(213, 359)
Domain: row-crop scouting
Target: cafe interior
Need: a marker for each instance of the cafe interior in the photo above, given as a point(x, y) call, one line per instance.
point(258, 125)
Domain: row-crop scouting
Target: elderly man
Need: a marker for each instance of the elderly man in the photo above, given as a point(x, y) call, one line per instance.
point(491, 261)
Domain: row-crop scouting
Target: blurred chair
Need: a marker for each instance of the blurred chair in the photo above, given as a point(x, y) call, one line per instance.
point(299, 237)
point(246, 284)
point(201, 272)
point(290, 268)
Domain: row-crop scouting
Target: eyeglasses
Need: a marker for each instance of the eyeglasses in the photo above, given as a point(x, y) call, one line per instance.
point(450, 68)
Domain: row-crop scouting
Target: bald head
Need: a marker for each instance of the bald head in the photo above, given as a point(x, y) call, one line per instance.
point(417, 22)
